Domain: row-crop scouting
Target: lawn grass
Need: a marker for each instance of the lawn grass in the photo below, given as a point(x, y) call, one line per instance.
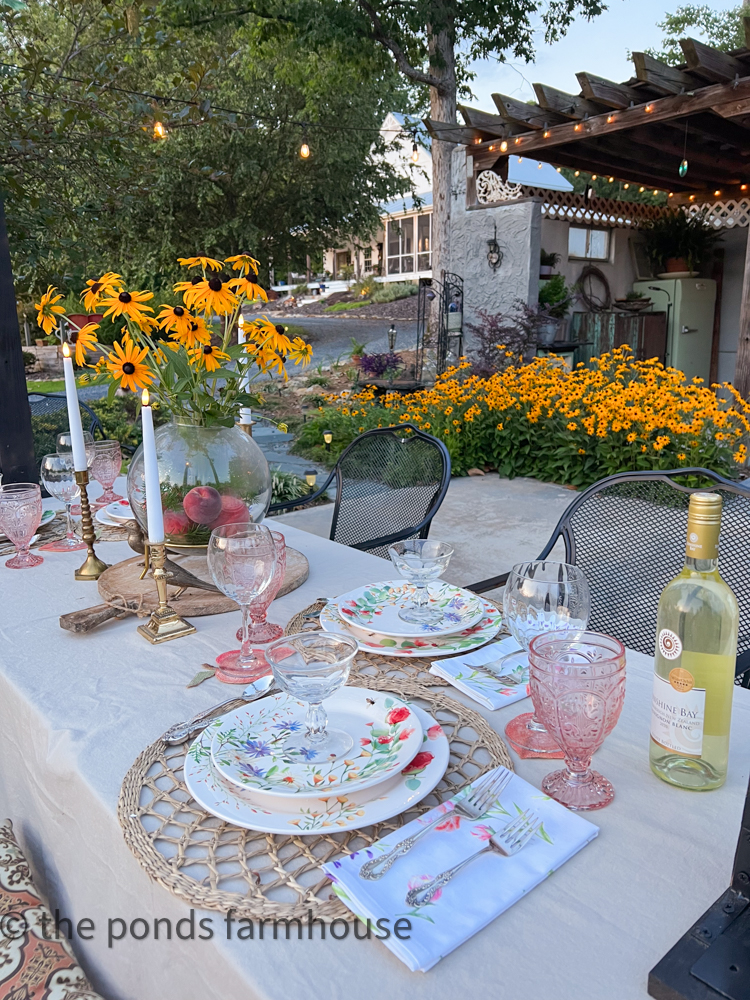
point(346, 306)
point(54, 385)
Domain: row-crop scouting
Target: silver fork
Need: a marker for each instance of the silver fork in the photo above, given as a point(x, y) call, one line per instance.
point(507, 842)
point(482, 798)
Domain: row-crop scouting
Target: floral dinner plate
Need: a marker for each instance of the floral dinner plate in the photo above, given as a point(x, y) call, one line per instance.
point(247, 744)
point(461, 642)
point(376, 607)
point(120, 511)
point(337, 812)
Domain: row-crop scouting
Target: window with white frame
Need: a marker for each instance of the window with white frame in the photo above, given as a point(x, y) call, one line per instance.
point(424, 241)
point(367, 259)
point(588, 244)
point(400, 242)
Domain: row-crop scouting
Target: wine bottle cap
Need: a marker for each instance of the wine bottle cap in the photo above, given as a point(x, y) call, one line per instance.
point(705, 508)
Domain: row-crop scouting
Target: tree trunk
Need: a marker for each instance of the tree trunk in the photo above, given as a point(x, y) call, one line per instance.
point(442, 108)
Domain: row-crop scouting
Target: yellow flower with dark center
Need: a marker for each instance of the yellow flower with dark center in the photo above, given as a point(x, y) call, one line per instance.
point(47, 311)
point(187, 286)
point(248, 288)
point(208, 357)
point(126, 364)
point(131, 306)
point(205, 262)
point(175, 318)
point(300, 352)
point(243, 263)
point(109, 284)
point(85, 341)
point(195, 334)
point(213, 296)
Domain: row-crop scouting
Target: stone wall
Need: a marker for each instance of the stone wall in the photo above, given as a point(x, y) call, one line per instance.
point(519, 236)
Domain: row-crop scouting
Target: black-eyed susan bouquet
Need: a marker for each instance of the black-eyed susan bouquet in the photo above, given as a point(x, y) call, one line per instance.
point(187, 355)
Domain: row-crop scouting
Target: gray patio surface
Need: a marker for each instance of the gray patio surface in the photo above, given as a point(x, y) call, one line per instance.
point(493, 523)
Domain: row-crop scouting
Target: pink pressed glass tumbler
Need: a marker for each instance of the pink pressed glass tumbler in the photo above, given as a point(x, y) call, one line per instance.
point(578, 687)
point(261, 630)
point(105, 468)
point(20, 514)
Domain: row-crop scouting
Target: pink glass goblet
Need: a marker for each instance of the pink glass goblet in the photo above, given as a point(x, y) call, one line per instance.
point(242, 559)
point(105, 468)
point(578, 687)
point(263, 631)
point(20, 514)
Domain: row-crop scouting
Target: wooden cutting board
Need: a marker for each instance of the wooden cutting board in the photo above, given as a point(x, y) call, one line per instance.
point(121, 580)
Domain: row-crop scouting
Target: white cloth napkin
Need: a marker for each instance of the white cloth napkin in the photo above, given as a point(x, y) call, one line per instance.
point(477, 894)
point(478, 684)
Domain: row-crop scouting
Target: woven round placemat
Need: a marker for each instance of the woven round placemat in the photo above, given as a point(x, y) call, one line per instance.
point(211, 864)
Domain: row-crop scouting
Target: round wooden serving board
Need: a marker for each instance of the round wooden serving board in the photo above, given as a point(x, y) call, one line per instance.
point(121, 580)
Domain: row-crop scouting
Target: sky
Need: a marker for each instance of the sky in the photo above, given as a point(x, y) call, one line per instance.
point(600, 47)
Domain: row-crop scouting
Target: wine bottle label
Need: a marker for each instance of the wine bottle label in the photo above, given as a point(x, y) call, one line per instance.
point(677, 713)
point(670, 646)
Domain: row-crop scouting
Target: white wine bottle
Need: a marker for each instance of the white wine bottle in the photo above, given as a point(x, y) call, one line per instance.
point(696, 649)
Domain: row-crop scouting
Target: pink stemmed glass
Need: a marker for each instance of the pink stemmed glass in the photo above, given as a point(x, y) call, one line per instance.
point(263, 631)
point(578, 687)
point(105, 468)
point(242, 559)
point(20, 514)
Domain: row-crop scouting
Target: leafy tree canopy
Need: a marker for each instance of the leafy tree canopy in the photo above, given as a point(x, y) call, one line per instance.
point(89, 187)
point(720, 28)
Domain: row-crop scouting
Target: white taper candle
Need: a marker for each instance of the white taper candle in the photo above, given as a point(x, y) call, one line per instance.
point(246, 414)
point(78, 446)
point(154, 512)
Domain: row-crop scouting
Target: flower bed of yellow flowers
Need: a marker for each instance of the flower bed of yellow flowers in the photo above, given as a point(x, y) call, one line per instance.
point(570, 427)
point(184, 354)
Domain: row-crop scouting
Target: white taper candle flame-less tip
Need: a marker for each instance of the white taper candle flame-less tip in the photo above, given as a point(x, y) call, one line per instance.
point(77, 444)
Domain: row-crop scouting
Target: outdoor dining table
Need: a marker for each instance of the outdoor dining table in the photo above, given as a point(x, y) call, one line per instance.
point(76, 710)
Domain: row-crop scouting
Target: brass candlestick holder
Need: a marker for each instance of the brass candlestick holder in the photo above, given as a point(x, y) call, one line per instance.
point(93, 567)
point(164, 623)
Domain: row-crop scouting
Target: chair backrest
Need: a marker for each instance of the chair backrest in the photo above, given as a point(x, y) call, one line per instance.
point(49, 417)
point(627, 533)
point(389, 480)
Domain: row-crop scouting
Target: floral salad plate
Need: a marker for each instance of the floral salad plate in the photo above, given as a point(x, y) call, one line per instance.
point(339, 811)
point(485, 629)
point(247, 744)
point(120, 511)
point(377, 606)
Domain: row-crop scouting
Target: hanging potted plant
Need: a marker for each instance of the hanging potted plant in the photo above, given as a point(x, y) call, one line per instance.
point(554, 300)
point(210, 471)
point(547, 263)
point(677, 243)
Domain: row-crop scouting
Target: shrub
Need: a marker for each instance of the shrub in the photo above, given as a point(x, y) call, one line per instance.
point(287, 486)
point(571, 427)
point(377, 365)
point(346, 306)
point(29, 359)
point(555, 296)
point(389, 291)
point(504, 339)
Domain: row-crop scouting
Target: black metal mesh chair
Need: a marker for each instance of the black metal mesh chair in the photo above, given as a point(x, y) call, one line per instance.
point(627, 533)
point(49, 417)
point(389, 486)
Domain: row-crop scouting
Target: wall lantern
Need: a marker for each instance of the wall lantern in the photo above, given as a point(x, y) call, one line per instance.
point(494, 253)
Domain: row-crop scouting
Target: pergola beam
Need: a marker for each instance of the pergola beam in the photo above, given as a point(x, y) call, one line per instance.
point(530, 115)
point(660, 76)
point(567, 105)
point(709, 63)
point(661, 109)
point(613, 95)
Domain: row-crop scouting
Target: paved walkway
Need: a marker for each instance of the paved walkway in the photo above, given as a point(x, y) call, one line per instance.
point(493, 523)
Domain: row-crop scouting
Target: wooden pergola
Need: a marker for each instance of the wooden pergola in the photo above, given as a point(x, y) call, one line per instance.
point(639, 132)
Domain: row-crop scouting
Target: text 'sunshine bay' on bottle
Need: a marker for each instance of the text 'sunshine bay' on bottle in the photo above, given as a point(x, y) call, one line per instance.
point(696, 649)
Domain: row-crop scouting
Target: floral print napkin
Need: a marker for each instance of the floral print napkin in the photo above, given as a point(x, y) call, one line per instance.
point(464, 672)
point(477, 894)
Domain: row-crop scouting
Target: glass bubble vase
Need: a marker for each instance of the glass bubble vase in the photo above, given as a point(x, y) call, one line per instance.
point(209, 476)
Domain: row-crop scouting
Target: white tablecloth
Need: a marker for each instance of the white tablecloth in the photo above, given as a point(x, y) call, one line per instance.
point(76, 710)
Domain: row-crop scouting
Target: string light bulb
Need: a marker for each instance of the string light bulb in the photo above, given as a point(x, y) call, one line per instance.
point(610, 119)
point(743, 187)
point(577, 173)
point(415, 153)
point(559, 169)
point(160, 131)
point(611, 180)
point(503, 146)
point(655, 192)
point(304, 150)
point(717, 192)
point(641, 189)
point(594, 176)
point(625, 186)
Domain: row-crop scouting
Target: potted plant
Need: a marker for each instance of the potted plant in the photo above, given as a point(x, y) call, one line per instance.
point(678, 242)
point(357, 352)
point(547, 263)
point(634, 302)
point(554, 299)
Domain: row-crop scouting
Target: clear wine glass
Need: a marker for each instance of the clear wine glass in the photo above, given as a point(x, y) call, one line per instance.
point(261, 630)
point(578, 686)
point(242, 559)
point(541, 596)
point(311, 666)
point(58, 479)
point(105, 468)
point(420, 560)
point(20, 514)
point(65, 444)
